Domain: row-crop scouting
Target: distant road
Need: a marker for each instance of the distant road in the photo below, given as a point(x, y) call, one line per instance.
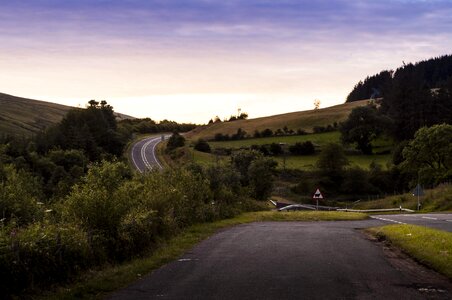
point(442, 221)
point(290, 260)
point(144, 154)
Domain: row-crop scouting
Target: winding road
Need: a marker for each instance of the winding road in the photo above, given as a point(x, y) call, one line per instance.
point(143, 153)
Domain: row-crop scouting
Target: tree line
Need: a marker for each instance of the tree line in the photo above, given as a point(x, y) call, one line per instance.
point(414, 96)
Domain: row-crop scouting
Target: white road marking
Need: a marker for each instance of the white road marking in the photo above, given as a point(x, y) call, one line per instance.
point(155, 158)
point(388, 220)
point(429, 218)
point(133, 158)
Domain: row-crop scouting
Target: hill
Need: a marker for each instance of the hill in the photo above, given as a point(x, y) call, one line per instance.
point(26, 117)
point(304, 120)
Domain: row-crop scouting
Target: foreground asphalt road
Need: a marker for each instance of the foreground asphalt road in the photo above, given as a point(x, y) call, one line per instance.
point(291, 260)
point(143, 154)
point(442, 221)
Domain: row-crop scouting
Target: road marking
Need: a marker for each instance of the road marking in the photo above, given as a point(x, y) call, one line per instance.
point(155, 158)
point(133, 158)
point(429, 218)
point(388, 220)
point(143, 154)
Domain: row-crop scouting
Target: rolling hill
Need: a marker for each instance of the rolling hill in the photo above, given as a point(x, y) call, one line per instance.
point(304, 120)
point(26, 117)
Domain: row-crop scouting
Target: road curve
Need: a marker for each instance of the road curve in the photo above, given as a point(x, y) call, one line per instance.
point(143, 153)
point(291, 260)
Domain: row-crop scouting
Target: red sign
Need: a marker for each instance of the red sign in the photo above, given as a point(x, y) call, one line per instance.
point(317, 195)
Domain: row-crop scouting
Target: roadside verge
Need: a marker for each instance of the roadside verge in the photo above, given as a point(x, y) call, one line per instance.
point(430, 247)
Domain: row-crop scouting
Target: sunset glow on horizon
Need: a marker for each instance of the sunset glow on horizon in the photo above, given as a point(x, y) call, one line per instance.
point(189, 61)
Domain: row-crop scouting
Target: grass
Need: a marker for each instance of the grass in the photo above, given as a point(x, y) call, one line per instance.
point(317, 139)
point(305, 120)
point(97, 284)
point(309, 161)
point(299, 162)
point(26, 117)
point(430, 247)
point(295, 162)
point(437, 199)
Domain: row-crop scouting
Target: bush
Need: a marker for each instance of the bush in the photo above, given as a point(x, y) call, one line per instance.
point(41, 254)
point(267, 133)
point(203, 146)
point(19, 193)
point(94, 202)
point(276, 149)
point(306, 148)
point(175, 141)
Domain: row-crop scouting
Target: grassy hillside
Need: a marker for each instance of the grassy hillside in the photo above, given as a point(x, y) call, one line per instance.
point(25, 117)
point(305, 120)
point(20, 116)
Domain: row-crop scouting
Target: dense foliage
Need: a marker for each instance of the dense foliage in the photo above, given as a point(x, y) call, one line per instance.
point(432, 73)
point(92, 130)
point(148, 125)
point(68, 203)
point(371, 88)
point(430, 153)
point(364, 124)
point(413, 96)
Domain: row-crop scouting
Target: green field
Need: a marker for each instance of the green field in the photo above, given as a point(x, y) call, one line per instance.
point(317, 139)
point(309, 161)
point(296, 162)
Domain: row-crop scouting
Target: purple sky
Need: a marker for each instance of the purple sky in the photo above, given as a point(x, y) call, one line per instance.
point(192, 60)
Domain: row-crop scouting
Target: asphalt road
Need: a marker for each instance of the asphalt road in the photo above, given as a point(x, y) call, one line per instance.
point(143, 154)
point(291, 260)
point(442, 221)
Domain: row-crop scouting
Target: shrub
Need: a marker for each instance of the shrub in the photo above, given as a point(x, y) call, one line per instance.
point(276, 149)
point(41, 254)
point(19, 193)
point(306, 148)
point(203, 146)
point(175, 141)
point(267, 133)
point(94, 203)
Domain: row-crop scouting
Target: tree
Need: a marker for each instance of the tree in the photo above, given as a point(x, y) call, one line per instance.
point(241, 160)
point(316, 104)
point(260, 173)
point(430, 153)
point(332, 159)
point(363, 125)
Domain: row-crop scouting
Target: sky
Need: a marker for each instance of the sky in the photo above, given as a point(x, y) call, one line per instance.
point(190, 61)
